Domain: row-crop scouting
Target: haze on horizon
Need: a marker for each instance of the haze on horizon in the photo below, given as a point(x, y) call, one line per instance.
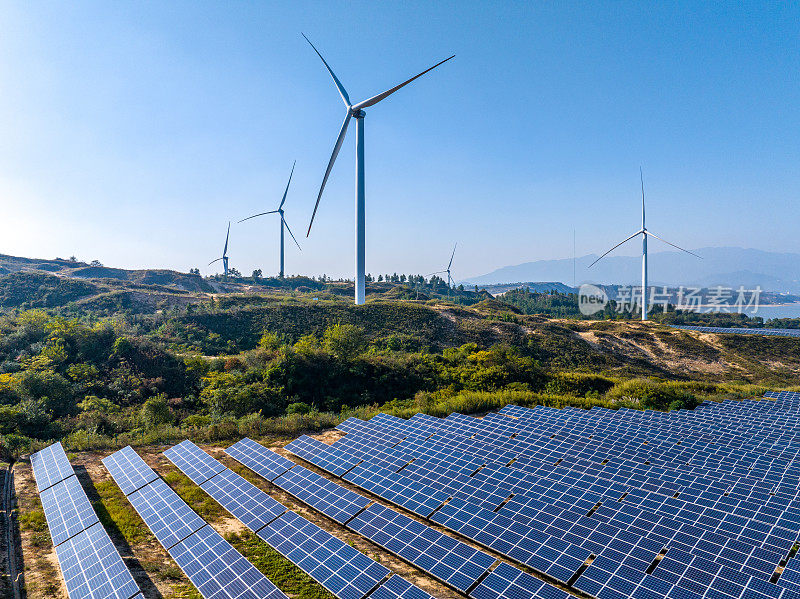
point(133, 132)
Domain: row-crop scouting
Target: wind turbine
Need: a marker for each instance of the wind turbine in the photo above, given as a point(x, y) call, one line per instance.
point(356, 111)
point(224, 257)
point(283, 220)
point(644, 233)
point(447, 270)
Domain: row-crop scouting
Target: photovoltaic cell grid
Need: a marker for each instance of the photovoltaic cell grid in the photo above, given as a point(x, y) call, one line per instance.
point(213, 566)
point(259, 459)
point(341, 569)
point(320, 554)
point(507, 582)
point(194, 462)
point(50, 466)
point(718, 484)
point(398, 587)
point(768, 332)
point(335, 461)
point(129, 470)
point(91, 566)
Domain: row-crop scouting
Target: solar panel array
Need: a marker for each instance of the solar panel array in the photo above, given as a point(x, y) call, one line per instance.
point(91, 565)
point(344, 571)
point(611, 503)
point(742, 331)
point(212, 564)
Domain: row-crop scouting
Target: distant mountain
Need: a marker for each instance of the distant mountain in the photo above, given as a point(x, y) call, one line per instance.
point(729, 266)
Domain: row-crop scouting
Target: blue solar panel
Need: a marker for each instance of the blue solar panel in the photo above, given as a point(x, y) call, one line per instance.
point(507, 582)
point(252, 506)
point(129, 470)
point(165, 513)
point(342, 570)
point(50, 466)
point(446, 558)
point(264, 462)
point(219, 571)
point(330, 459)
point(92, 567)
point(398, 587)
point(334, 501)
point(741, 331)
point(67, 509)
point(194, 462)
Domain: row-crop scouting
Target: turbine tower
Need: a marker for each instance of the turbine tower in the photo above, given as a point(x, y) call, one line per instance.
point(447, 270)
point(283, 220)
point(356, 111)
point(224, 257)
point(644, 233)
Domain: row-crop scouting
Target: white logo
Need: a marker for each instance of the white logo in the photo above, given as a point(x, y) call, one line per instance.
point(591, 299)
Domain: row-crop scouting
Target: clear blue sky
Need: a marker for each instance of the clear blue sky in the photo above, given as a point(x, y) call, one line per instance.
point(132, 132)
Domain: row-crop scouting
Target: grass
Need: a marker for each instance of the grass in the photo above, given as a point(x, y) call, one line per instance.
point(114, 511)
point(283, 573)
point(201, 502)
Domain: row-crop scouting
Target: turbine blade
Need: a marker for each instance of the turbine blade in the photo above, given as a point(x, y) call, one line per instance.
point(259, 214)
point(615, 247)
point(339, 86)
point(438, 272)
point(217, 260)
point(287, 187)
point(336, 148)
point(641, 177)
point(451, 258)
point(673, 245)
point(227, 235)
point(292, 234)
point(375, 99)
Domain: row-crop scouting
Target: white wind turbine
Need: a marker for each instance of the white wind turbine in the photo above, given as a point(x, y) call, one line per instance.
point(283, 220)
point(644, 233)
point(447, 270)
point(224, 257)
point(356, 111)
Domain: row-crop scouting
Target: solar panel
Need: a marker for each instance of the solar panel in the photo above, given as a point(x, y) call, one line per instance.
point(92, 567)
point(67, 509)
point(50, 466)
point(337, 566)
point(264, 462)
point(129, 470)
point(446, 558)
point(507, 582)
point(334, 501)
point(246, 502)
point(165, 513)
point(217, 570)
point(741, 331)
point(194, 462)
point(330, 459)
point(398, 587)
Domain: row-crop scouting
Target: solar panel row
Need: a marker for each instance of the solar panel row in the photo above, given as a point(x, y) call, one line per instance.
point(607, 483)
point(89, 561)
point(213, 566)
point(740, 331)
point(337, 566)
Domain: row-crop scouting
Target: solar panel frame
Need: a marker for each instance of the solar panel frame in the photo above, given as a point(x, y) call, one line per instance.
point(335, 565)
point(194, 462)
point(168, 517)
point(129, 470)
point(264, 462)
point(67, 509)
point(50, 466)
point(243, 500)
point(92, 567)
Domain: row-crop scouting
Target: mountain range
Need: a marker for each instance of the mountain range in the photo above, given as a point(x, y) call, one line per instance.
point(728, 266)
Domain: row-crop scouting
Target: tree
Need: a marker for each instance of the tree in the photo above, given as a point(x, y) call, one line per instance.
point(96, 263)
point(345, 341)
point(155, 411)
point(232, 272)
point(256, 274)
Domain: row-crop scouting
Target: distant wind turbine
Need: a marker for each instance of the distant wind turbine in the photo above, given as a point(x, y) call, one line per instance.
point(447, 270)
point(283, 220)
point(224, 257)
point(644, 233)
point(356, 111)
